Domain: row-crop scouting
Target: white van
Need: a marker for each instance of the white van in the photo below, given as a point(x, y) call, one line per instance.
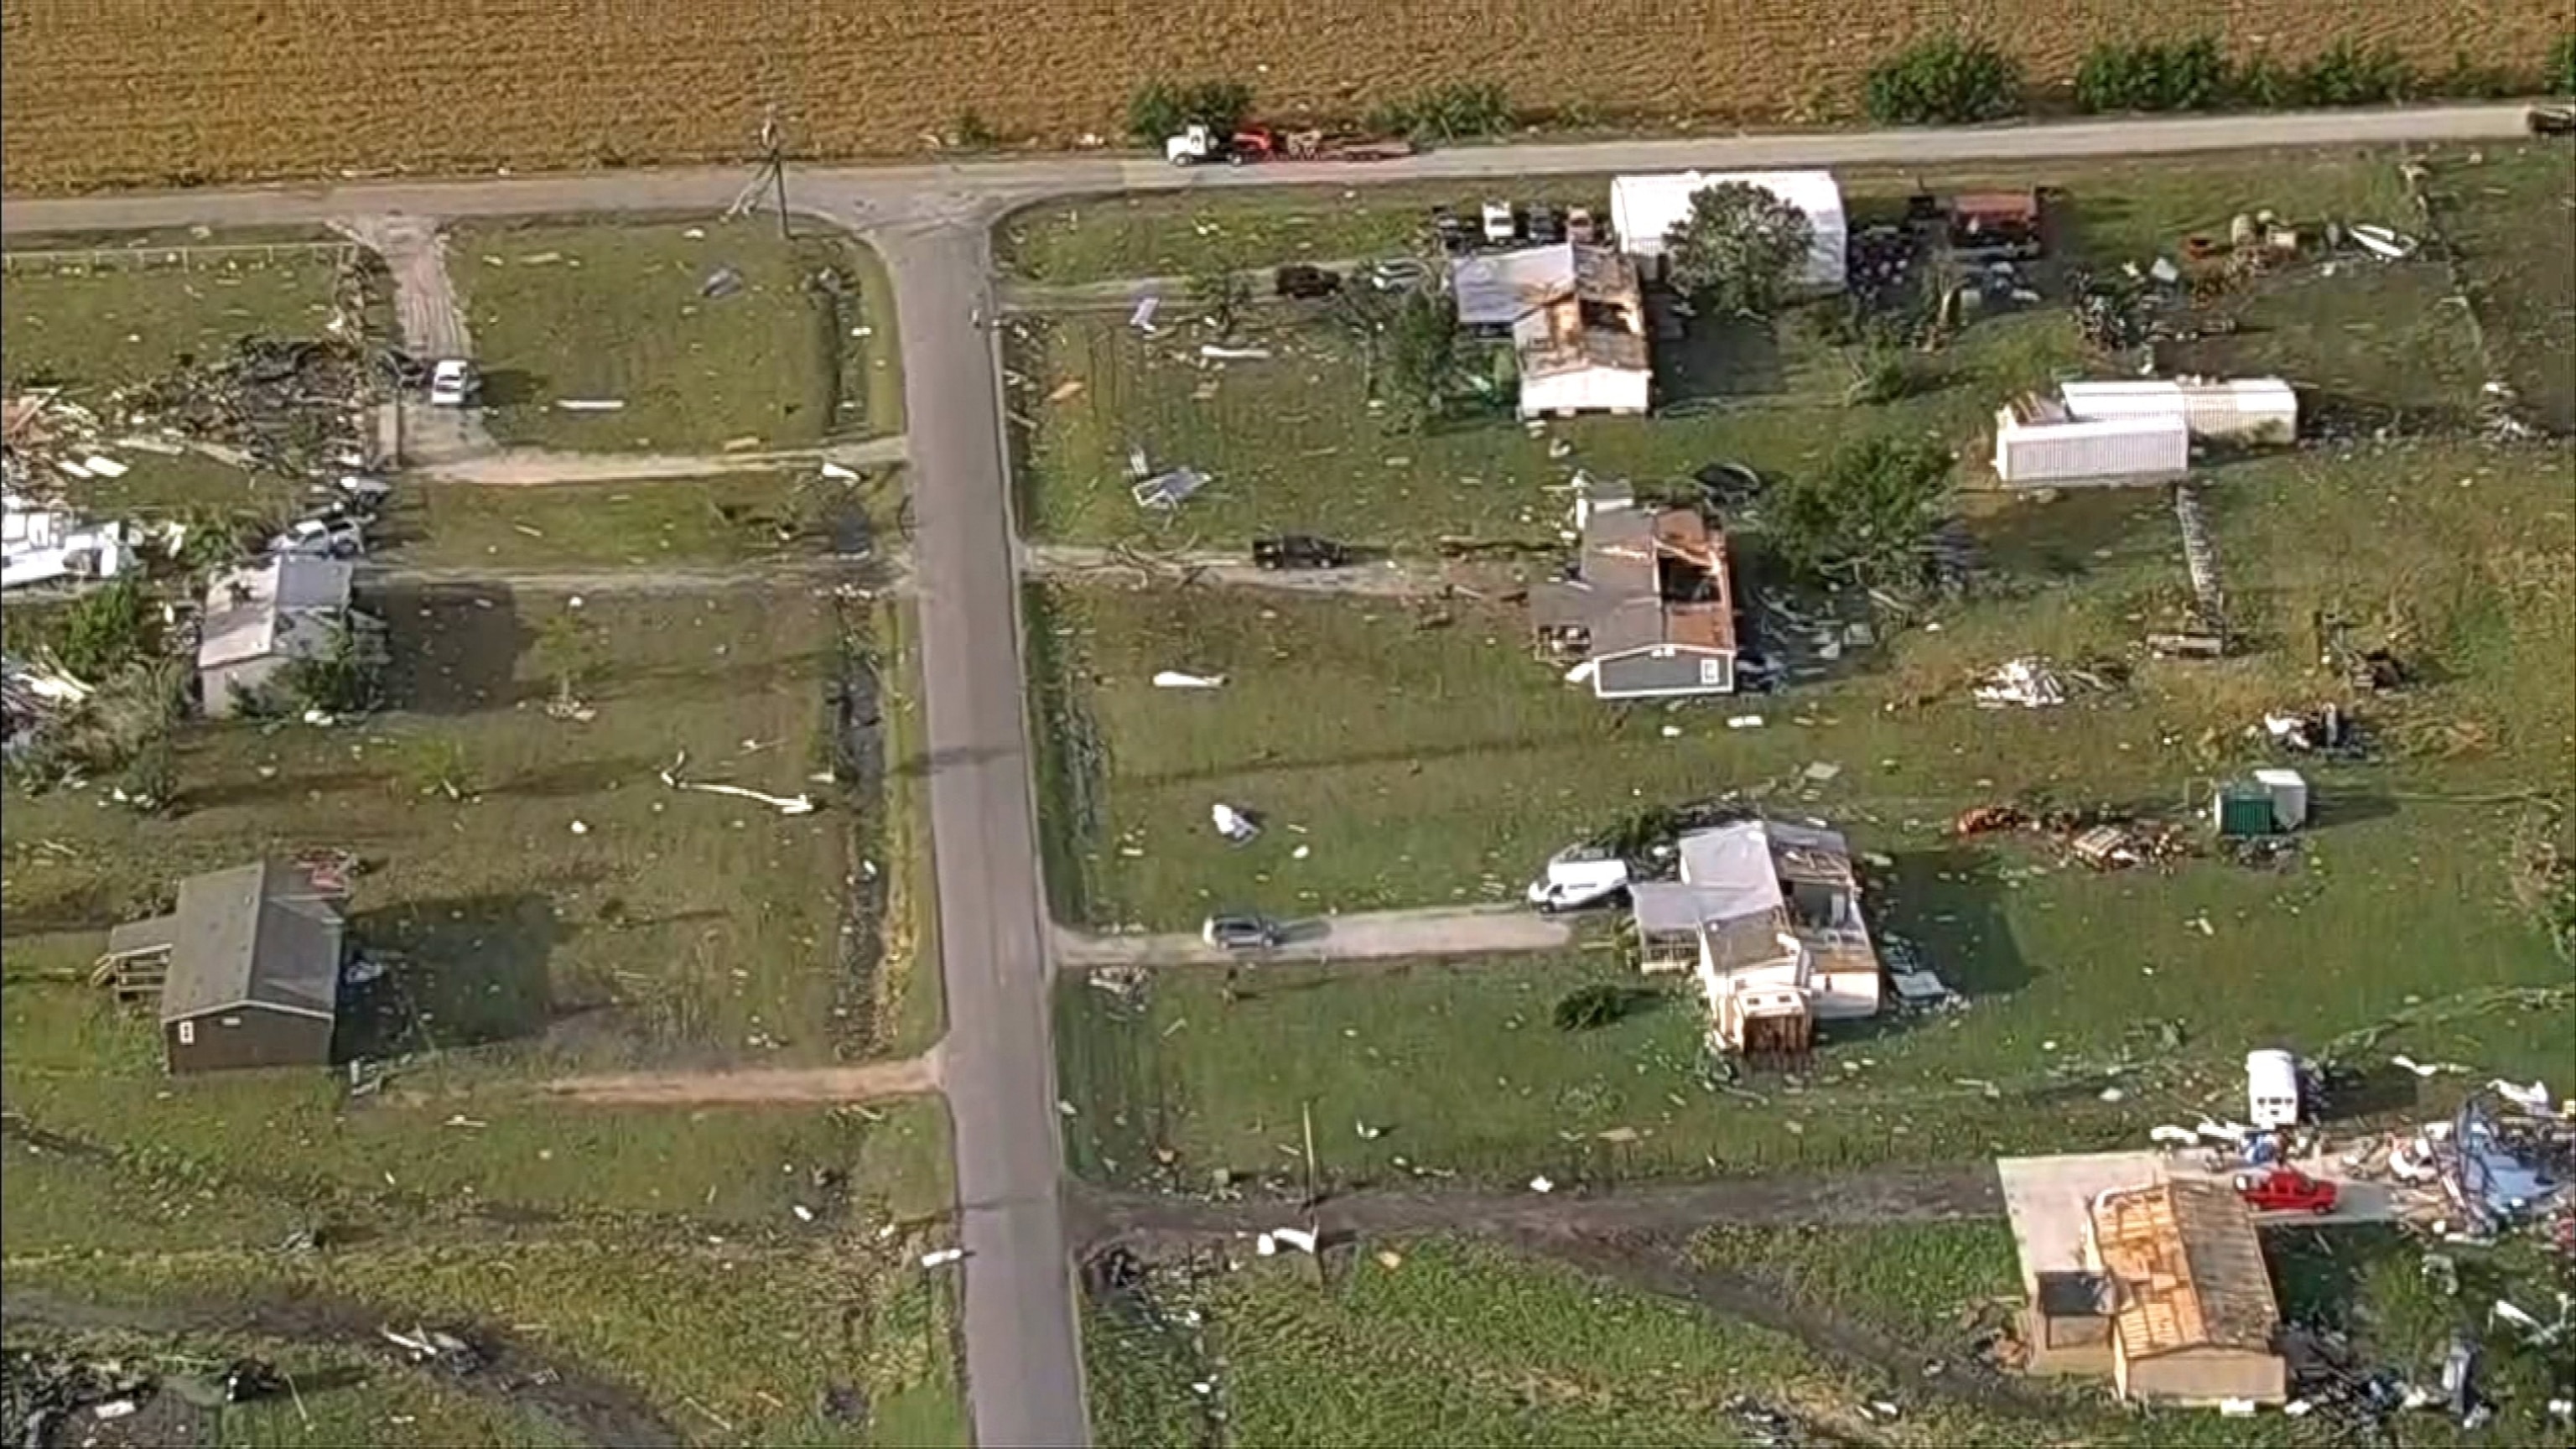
point(1577, 877)
point(2271, 1089)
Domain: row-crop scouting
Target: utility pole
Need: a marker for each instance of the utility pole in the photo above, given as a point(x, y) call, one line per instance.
point(1307, 1110)
point(770, 146)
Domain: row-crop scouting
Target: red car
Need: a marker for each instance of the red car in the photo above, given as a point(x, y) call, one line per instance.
point(2285, 1190)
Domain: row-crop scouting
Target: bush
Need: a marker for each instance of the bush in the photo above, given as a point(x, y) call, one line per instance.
point(1450, 112)
point(2347, 75)
point(1866, 516)
point(347, 678)
point(2265, 84)
point(973, 133)
point(1604, 1003)
point(106, 629)
point(2186, 75)
point(1943, 80)
point(2562, 65)
point(1160, 109)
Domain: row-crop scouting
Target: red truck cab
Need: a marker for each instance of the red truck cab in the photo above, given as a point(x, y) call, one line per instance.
point(2285, 1190)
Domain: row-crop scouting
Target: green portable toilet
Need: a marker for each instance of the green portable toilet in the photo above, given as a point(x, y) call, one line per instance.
point(2243, 808)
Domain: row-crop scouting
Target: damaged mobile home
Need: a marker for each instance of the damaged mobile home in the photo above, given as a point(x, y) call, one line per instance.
point(1766, 914)
point(1577, 322)
point(1649, 611)
point(263, 617)
point(2138, 431)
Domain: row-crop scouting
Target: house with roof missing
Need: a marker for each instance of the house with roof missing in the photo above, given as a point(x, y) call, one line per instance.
point(2193, 1314)
point(1577, 321)
point(260, 617)
point(247, 968)
point(1649, 612)
point(1766, 914)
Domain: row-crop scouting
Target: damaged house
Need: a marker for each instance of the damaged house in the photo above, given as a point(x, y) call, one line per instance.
point(2192, 1310)
point(1577, 323)
point(1649, 612)
point(246, 969)
point(262, 617)
point(1766, 914)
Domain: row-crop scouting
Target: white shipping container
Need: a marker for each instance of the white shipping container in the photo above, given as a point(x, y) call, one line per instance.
point(2113, 450)
point(2239, 410)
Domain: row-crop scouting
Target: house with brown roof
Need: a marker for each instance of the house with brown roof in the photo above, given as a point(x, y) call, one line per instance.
point(247, 968)
point(2193, 1315)
point(1649, 611)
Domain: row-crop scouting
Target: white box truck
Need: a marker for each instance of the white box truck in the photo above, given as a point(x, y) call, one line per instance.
point(2271, 1089)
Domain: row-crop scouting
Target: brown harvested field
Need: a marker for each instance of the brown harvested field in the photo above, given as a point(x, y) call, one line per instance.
point(100, 93)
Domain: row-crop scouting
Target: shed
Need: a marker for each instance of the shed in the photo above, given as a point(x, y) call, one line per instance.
point(249, 965)
point(2038, 445)
point(2245, 410)
point(2195, 1314)
point(260, 618)
point(1644, 209)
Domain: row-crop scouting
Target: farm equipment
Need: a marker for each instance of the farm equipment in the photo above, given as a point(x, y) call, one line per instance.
point(1197, 143)
point(1502, 224)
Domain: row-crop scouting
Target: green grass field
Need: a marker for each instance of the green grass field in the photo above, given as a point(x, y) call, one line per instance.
point(1291, 444)
point(733, 519)
point(597, 312)
point(2507, 219)
point(1925, 1282)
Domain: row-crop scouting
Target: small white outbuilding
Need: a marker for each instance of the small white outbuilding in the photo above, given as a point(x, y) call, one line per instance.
point(2247, 410)
point(1643, 209)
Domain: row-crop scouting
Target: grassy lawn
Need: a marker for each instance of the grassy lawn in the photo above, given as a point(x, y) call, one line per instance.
point(2508, 222)
point(2125, 209)
point(641, 1313)
point(670, 924)
point(1924, 1282)
point(726, 519)
point(621, 312)
point(1463, 1343)
point(93, 329)
point(1424, 766)
point(1291, 445)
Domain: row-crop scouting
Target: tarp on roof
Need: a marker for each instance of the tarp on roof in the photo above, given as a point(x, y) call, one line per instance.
point(1643, 209)
point(1496, 289)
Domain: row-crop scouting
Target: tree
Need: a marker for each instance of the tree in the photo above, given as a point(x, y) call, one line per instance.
point(1943, 81)
point(1418, 350)
point(1865, 518)
point(1160, 109)
point(106, 629)
point(1221, 296)
point(2562, 65)
point(1740, 249)
point(346, 677)
point(1589, 1008)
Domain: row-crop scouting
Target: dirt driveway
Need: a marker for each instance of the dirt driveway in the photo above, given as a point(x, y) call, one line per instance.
point(1369, 936)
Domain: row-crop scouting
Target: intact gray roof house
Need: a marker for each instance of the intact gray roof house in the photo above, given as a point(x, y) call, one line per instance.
point(261, 616)
point(250, 964)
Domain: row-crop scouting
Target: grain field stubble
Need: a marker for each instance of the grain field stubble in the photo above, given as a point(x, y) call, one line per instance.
point(128, 93)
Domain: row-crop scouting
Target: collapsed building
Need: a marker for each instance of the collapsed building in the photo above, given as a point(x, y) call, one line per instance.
point(1649, 610)
point(1577, 322)
point(1766, 914)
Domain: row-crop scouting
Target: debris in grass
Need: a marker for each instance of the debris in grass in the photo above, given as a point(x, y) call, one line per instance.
point(1142, 319)
point(1237, 825)
point(1541, 1184)
point(942, 1257)
point(1216, 353)
point(1176, 679)
point(722, 282)
point(2029, 682)
point(590, 404)
point(1168, 490)
point(797, 804)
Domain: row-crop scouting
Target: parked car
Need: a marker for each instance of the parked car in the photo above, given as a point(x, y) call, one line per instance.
point(1451, 231)
point(1502, 224)
point(2285, 1190)
point(1299, 551)
point(452, 383)
point(2551, 120)
point(322, 538)
point(1399, 274)
point(1241, 932)
point(1306, 282)
point(1546, 225)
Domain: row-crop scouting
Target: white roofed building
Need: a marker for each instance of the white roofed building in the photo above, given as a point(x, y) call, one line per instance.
point(1645, 209)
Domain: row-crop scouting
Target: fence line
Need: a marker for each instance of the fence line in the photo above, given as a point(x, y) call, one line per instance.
point(192, 257)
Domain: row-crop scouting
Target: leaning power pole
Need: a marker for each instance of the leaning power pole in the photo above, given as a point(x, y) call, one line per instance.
point(772, 147)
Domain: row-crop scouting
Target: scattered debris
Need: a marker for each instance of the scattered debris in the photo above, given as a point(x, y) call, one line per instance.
point(590, 404)
point(1175, 679)
point(1168, 490)
point(1238, 826)
point(797, 804)
point(942, 1257)
point(722, 282)
point(2029, 682)
point(1142, 319)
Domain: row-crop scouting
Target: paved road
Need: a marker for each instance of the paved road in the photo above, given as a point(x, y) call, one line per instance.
point(1023, 1359)
point(1369, 936)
